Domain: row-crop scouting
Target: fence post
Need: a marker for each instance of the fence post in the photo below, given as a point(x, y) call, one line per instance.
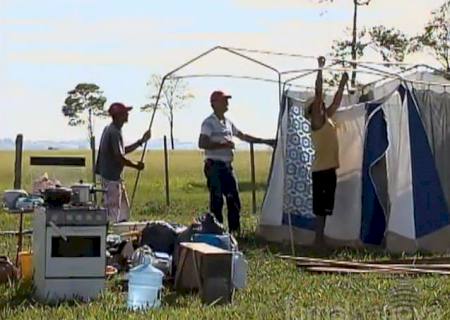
point(18, 163)
point(94, 178)
point(18, 185)
point(252, 168)
point(166, 172)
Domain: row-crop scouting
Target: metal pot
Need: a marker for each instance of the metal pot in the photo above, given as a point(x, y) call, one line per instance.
point(82, 193)
point(142, 255)
point(57, 197)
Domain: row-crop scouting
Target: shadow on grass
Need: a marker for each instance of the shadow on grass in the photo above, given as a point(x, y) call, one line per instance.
point(20, 295)
point(250, 242)
point(178, 299)
point(244, 186)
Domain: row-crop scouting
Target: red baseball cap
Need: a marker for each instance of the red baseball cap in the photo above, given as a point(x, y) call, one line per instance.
point(218, 95)
point(118, 108)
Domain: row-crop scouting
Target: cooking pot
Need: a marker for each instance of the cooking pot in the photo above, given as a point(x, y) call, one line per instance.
point(57, 197)
point(142, 255)
point(10, 197)
point(81, 193)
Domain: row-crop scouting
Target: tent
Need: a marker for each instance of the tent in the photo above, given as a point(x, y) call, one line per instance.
point(394, 180)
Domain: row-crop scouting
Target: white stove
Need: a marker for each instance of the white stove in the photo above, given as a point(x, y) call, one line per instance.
point(69, 253)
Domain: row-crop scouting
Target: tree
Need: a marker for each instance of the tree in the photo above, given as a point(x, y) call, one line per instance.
point(390, 43)
point(174, 96)
point(436, 36)
point(82, 104)
point(354, 45)
point(356, 4)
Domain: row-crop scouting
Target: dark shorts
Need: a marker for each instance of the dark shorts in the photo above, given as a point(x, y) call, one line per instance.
point(324, 187)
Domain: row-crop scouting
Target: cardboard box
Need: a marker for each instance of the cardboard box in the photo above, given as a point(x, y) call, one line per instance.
point(207, 269)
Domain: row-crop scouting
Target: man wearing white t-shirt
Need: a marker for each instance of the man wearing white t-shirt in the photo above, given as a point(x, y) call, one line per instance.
point(216, 138)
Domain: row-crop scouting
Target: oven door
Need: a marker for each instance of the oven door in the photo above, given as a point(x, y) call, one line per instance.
point(80, 255)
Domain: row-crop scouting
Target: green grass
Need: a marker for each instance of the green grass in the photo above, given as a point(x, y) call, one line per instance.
point(276, 289)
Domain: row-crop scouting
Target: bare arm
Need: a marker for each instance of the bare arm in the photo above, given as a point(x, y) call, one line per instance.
point(133, 146)
point(133, 164)
point(317, 110)
point(251, 139)
point(338, 96)
point(204, 142)
point(145, 137)
point(127, 162)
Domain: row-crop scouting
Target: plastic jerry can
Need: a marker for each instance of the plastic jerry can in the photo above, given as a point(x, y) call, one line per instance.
point(144, 287)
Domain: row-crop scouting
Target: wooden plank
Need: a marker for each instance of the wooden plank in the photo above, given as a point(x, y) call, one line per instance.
point(427, 260)
point(312, 264)
point(203, 248)
point(180, 268)
point(431, 263)
point(365, 265)
point(443, 267)
point(350, 270)
point(58, 161)
point(135, 233)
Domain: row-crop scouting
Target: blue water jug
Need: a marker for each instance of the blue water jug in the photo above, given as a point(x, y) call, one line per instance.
point(144, 287)
point(218, 240)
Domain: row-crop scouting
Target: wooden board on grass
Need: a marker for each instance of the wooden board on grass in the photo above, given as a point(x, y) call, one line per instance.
point(443, 267)
point(352, 271)
point(359, 265)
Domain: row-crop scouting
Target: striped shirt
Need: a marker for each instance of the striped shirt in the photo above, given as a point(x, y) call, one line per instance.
point(219, 131)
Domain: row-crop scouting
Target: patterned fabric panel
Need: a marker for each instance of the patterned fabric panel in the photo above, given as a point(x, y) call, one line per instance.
point(297, 200)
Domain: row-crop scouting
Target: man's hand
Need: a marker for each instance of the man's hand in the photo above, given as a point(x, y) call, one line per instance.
point(147, 135)
point(321, 61)
point(228, 144)
point(270, 142)
point(344, 79)
point(139, 166)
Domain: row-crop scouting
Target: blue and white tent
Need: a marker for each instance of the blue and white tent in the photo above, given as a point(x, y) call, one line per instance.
point(393, 182)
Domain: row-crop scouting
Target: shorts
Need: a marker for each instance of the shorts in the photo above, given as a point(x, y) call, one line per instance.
point(115, 201)
point(324, 188)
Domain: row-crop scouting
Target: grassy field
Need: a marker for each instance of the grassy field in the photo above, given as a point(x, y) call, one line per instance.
point(276, 289)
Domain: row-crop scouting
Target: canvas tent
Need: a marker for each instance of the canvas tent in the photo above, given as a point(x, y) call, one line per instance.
point(394, 178)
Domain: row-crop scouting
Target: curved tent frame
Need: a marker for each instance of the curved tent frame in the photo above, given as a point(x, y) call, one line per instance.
point(301, 73)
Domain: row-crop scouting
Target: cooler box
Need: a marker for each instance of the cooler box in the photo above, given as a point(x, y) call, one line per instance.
point(222, 241)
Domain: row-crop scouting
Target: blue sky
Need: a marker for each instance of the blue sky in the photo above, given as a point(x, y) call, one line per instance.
point(47, 47)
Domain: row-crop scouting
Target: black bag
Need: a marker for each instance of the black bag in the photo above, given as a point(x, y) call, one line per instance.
point(207, 223)
point(160, 236)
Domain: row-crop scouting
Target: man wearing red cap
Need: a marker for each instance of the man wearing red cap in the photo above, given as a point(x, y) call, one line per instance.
point(111, 160)
point(216, 138)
